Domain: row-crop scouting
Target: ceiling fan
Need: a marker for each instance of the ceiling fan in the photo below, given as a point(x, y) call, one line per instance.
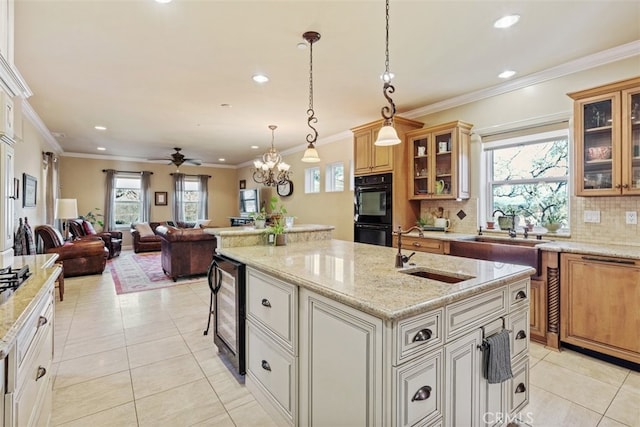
point(178, 158)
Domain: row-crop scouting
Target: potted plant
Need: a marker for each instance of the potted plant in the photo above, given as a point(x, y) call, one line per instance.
point(94, 218)
point(276, 227)
point(259, 218)
point(552, 219)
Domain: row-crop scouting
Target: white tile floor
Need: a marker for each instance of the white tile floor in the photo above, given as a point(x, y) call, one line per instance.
point(141, 360)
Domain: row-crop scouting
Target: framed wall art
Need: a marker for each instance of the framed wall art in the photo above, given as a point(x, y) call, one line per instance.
point(243, 184)
point(161, 198)
point(29, 191)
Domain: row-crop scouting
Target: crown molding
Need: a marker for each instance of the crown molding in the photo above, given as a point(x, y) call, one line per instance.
point(135, 159)
point(34, 118)
point(12, 80)
point(604, 57)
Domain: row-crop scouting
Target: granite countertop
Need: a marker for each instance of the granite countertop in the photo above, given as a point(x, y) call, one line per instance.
point(17, 308)
point(251, 230)
point(364, 277)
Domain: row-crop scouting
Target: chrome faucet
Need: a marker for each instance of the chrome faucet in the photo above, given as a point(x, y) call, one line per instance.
point(400, 259)
point(512, 232)
point(498, 210)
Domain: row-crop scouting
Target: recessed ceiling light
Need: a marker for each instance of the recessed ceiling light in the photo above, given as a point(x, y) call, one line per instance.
point(254, 147)
point(506, 74)
point(222, 159)
point(506, 21)
point(260, 78)
point(101, 149)
point(163, 1)
point(100, 128)
point(302, 45)
point(225, 105)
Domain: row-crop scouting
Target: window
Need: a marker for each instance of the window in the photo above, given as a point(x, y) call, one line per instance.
point(312, 180)
point(191, 198)
point(334, 177)
point(527, 175)
point(128, 201)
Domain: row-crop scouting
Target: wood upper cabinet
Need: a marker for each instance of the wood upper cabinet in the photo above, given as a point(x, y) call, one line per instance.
point(369, 158)
point(607, 139)
point(439, 161)
point(599, 304)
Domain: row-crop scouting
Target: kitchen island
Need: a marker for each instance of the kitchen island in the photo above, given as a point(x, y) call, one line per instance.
point(336, 335)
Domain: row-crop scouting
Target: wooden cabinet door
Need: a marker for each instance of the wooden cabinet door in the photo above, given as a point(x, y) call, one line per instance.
point(340, 364)
point(631, 141)
point(362, 152)
point(538, 311)
point(599, 304)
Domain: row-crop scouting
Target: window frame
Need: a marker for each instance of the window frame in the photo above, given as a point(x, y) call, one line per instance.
point(131, 176)
point(188, 180)
point(309, 180)
point(330, 177)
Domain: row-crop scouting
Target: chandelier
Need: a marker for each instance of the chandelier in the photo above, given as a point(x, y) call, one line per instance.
point(311, 154)
point(271, 170)
point(387, 134)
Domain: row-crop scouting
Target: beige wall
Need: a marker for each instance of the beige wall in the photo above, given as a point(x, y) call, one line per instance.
point(83, 179)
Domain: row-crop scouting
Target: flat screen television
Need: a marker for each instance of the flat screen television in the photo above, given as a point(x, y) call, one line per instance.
point(249, 201)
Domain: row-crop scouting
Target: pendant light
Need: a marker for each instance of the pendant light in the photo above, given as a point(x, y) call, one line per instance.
point(271, 170)
point(311, 154)
point(387, 134)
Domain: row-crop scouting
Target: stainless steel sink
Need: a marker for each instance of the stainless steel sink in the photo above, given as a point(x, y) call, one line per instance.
point(507, 250)
point(436, 275)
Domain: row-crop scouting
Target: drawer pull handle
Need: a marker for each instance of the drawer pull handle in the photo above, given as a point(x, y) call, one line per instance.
point(42, 321)
point(423, 393)
point(416, 244)
point(521, 295)
point(41, 372)
point(266, 366)
point(521, 334)
point(422, 335)
point(521, 388)
point(266, 302)
point(615, 261)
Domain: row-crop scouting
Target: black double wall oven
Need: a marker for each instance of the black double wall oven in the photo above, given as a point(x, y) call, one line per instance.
point(373, 209)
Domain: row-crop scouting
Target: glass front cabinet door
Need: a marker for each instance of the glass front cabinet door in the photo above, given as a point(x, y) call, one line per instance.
point(439, 161)
point(607, 139)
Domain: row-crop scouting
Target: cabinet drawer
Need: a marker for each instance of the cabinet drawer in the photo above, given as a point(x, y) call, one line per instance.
point(36, 325)
point(417, 335)
point(519, 386)
point(519, 335)
point(273, 368)
point(273, 304)
point(34, 382)
point(475, 311)
point(419, 390)
point(519, 294)
point(423, 245)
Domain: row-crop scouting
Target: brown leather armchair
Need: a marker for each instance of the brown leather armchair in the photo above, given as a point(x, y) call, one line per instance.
point(185, 251)
point(145, 243)
point(80, 228)
point(78, 257)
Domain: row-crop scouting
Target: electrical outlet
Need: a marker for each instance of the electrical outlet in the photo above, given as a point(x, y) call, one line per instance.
point(631, 217)
point(591, 216)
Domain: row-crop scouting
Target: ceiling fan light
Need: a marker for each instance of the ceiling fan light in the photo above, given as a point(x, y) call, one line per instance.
point(387, 136)
point(311, 155)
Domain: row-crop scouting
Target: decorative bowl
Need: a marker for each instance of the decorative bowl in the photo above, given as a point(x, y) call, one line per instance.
point(552, 227)
point(599, 153)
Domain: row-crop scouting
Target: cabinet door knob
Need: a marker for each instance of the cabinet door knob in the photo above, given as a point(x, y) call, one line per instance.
point(521, 295)
point(625, 186)
point(41, 372)
point(266, 302)
point(423, 393)
point(521, 334)
point(416, 244)
point(618, 185)
point(521, 388)
point(422, 335)
point(42, 321)
point(266, 366)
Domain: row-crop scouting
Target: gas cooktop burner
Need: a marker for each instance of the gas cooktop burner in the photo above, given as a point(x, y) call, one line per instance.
point(11, 279)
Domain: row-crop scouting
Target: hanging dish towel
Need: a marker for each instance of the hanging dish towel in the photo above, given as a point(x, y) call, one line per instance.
point(497, 358)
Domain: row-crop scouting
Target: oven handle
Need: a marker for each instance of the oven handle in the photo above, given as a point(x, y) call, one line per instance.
point(373, 227)
point(373, 187)
point(214, 267)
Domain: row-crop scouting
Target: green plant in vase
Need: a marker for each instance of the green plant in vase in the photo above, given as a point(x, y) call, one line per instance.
point(552, 218)
point(259, 218)
point(94, 217)
point(277, 226)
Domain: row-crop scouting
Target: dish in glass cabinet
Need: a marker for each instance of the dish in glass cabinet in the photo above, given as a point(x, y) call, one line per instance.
point(599, 153)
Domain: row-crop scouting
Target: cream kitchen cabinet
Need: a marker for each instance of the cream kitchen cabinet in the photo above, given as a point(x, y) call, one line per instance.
point(8, 202)
point(439, 161)
point(598, 297)
point(607, 139)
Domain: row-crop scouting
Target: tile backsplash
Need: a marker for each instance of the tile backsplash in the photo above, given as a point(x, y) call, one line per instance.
point(469, 222)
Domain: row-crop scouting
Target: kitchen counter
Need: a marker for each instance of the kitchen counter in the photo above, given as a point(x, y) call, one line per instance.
point(250, 236)
point(364, 277)
point(17, 308)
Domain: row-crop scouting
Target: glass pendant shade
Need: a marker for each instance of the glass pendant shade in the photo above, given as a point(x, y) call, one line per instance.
point(311, 155)
point(387, 136)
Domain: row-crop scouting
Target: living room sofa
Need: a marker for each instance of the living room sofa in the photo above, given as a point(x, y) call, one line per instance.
point(185, 251)
point(145, 242)
point(81, 228)
point(78, 257)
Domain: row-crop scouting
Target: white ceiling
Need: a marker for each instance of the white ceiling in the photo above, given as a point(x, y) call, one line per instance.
point(156, 74)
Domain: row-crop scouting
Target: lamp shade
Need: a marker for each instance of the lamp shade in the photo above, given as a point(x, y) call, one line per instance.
point(387, 136)
point(311, 155)
point(66, 208)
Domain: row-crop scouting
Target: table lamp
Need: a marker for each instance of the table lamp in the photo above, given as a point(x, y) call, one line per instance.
point(66, 209)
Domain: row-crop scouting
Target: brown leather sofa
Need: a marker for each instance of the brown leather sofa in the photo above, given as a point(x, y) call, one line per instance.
point(146, 243)
point(185, 251)
point(80, 228)
point(79, 257)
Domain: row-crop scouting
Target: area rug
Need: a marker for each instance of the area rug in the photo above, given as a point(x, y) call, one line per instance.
point(133, 272)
